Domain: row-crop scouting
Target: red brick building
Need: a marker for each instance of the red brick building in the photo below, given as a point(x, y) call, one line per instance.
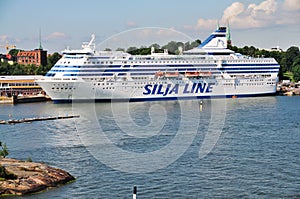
point(37, 57)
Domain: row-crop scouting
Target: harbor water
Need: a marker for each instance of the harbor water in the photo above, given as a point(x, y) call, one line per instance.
point(220, 148)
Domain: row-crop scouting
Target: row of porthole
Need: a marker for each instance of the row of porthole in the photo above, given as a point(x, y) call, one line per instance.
point(66, 88)
point(133, 87)
point(245, 84)
point(175, 62)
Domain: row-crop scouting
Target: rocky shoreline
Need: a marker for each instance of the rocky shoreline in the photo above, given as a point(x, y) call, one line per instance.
point(30, 177)
point(288, 88)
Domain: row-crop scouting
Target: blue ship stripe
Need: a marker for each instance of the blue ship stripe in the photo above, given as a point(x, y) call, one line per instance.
point(165, 98)
point(166, 70)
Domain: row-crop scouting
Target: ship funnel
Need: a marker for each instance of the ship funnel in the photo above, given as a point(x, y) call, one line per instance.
point(217, 39)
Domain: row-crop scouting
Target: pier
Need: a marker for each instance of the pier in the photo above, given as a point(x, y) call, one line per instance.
point(21, 89)
point(23, 99)
point(29, 120)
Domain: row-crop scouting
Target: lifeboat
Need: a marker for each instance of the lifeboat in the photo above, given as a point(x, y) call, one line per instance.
point(192, 74)
point(172, 74)
point(159, 74)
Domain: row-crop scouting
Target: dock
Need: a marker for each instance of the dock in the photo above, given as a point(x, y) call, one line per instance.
point(29, 120)
point(23, 99)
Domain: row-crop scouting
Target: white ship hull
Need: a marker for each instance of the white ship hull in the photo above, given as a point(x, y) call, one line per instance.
point(64, 91)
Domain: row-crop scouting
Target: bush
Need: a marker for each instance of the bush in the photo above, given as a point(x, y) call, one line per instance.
point(4, 174)
point(4, 151)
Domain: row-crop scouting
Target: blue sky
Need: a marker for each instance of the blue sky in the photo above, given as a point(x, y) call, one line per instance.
point(120, 23)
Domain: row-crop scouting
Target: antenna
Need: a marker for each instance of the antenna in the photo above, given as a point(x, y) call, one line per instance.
point(228, 33)
point(40, 40)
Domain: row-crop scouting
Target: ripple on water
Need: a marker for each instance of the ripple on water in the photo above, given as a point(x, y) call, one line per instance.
point(256, 156)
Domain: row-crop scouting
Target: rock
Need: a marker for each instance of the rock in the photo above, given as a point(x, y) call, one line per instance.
point(297, 91)
point(31, 177)
point(289, 93)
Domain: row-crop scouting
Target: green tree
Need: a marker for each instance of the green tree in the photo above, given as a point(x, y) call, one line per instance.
point(296, 73)
point(42, 70)
point(140, 51)
point(196, 43)
point(156, 46)
point(173, 46)
point(30, 69)
point(18, 69)
point(120, 49)
point(5, 68)
point(130, 49)
point(296, 69)
point(291, 54)
point(52, 59)
point(14, 52)
point(3, 151)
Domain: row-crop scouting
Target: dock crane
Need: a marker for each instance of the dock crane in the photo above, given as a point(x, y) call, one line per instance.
point(8, 47)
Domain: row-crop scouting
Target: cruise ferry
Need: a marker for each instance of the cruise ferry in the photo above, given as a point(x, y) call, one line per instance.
point(207, 71)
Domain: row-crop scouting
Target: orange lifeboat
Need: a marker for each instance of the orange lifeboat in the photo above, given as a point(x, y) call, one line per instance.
point(172, 74)
point(159, 74)
point(192, 74)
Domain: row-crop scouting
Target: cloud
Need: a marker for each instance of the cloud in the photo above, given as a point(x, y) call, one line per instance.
point(55, 35)
point(265, 14)
point(254, 16)
point(289, 13)
point(232, 11)
point(267, 7)
point(291, 5)
point(131, 24)
point(3, 38)
point(206, 24)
